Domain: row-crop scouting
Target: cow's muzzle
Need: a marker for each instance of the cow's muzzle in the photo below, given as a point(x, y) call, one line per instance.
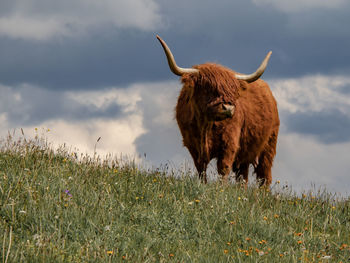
point(228, 110)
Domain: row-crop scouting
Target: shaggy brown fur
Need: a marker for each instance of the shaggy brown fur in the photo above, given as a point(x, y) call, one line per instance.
point(248, 137)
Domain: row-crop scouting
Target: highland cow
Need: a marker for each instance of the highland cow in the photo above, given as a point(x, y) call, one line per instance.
point(227, 116)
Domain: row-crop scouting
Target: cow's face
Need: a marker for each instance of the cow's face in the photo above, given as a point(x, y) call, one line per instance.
point(211, 104)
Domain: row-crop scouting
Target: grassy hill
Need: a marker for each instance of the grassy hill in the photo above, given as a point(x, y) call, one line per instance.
point(56, 207)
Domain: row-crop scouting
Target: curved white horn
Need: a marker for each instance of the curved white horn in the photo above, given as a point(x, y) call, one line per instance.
point(171, 61)
point(257, 74)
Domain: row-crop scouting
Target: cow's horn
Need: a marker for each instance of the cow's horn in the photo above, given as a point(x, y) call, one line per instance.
point(171, 61)
point(257, 74)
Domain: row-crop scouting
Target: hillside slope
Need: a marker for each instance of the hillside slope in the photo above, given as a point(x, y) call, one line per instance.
point(55, 207)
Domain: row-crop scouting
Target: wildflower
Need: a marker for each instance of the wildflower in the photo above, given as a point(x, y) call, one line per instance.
point(48, 130)
point(110, 252)
point(265, 218)
point(197, 201)
point(276, 216)
point(247, 238)
point(298, 234)
point(68, 193)
point(225, 251)
point(190, 203)
point(343, 246)
point(123, 257)
point(161, 196)
point(261, 253)
point(22, 212)
point(232, 222)
point(281, 255)
point(36, 129)
point(66, 205)
point(278, 181)
point(300, 242)
point(154, 180)
point(228, 243)
point(333, 207)
point(304, 195)
point(137, 198)
point(262, 242)
point(171, 255)
point(239, 198)
point(107, 228)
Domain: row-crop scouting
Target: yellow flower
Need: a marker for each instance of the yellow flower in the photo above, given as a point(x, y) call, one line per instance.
point(239, 198)
point(228, 243)
point(265, 218)
point(276, 216)
point(197, 201)
point(262, 242)
point(278, 181)
point(110, 252)
point(137, 198)
point(225, 251)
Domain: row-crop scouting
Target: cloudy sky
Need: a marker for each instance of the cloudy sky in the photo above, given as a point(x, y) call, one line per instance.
point(86, 69)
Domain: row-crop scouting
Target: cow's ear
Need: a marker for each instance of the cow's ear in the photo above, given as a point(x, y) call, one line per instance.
point(243, 85)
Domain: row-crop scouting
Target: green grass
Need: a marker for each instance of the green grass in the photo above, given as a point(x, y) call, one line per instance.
point(55, 207)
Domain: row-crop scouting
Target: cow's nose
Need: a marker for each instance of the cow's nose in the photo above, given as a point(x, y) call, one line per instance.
point(229, 109)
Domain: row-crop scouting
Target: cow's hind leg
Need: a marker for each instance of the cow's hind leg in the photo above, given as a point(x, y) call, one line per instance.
point(263, 169)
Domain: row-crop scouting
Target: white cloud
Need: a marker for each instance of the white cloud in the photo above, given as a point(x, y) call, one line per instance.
point(42, 19)
point(312, 93)
point(302, 162)
point(300, 5)
point(117, 134)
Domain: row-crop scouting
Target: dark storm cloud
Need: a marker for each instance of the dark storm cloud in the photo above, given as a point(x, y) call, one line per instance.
point(237, 34)
point(329, 126)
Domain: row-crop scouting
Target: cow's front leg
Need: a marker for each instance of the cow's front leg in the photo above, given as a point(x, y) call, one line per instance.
point(202, 170)
point(224, 165)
